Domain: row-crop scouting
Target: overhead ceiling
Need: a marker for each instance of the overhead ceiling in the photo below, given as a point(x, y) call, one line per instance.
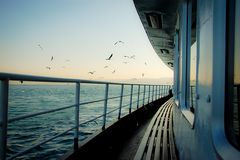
point(159, 18)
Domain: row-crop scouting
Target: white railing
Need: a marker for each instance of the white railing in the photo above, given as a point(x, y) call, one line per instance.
point(154, 92)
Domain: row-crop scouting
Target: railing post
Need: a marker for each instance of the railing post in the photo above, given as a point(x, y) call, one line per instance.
point(163, 90)
point(130, 106)
point(148, 94)
point(152, 93)
point(166, 89)
point(105, 106)
point(159, 91)
point(120, 103)
point(156, 92)
point(144, 89)
point(4, 85)
point(77, 102)
point(138, 96)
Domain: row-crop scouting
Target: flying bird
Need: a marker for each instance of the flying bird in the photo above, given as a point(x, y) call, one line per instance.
point(40, 47)
point(113, 71)
point(142, 74)
point(67, 60)
point(118, 42)
point(133, 57)
point(92, 72)
point(105, 66)
point(109, 58)
point(125, 62)
point(48, 67)
point(52, 58)
point(145, 63)
point(126, 57)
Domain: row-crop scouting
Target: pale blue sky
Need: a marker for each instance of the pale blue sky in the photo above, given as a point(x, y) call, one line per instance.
point(81, 31)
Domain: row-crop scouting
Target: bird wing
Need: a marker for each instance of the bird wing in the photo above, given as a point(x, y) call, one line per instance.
point(110, 56)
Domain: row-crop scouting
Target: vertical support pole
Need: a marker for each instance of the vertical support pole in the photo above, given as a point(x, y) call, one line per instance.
point(4, 85)
point(105, 106)
point(120, 103)
point(77, 102)
point(144, 89)
point(138, 96)
point(159, 91)
point(164, 90)
point(152, 93)
point(130, 106)
point(149, 94)
point(156, 92)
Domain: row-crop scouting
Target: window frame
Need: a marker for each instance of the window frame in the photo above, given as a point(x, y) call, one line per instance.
point(222, 146)
point(229, 81)
point(184, 60)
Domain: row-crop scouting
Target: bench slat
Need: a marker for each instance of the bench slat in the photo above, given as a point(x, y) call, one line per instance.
point(157, 153)
point(143, 143)
point(151, 141)
point(171, 138)
point(159, 134)
point(165, 144)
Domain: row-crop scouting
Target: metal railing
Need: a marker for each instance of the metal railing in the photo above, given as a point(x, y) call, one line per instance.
point(154, 92)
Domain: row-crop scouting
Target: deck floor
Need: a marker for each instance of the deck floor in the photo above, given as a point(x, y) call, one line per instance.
point(130, 147)
point(154, 139)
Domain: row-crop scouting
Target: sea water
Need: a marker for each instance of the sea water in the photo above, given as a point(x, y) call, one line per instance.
point(34, 98)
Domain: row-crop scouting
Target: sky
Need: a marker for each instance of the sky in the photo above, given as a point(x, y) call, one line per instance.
point(80, 36)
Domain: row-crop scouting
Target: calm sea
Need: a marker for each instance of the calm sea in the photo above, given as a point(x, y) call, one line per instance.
point(27, 99)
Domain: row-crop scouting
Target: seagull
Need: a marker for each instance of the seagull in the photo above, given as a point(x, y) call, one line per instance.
point(125, 62)
point(92, 72)
point(142, 74)
point(40, 47)
point(48, 67)
point(67, 60)
point(105, 66)
point(118, 42)
point(52, 58)
point(109, 58)
point(145, 63)
point(126, 57)
point(113, 71)
point(133, 57)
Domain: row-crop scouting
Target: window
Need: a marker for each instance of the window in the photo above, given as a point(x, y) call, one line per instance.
point(232, 123)
point(191, 56)
point(192, 82)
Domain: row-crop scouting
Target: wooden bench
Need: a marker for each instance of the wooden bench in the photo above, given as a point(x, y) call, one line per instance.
point(158, 140)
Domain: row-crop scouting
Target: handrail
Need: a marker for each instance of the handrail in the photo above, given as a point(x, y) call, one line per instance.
point(22, 77)
point(153, 91)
